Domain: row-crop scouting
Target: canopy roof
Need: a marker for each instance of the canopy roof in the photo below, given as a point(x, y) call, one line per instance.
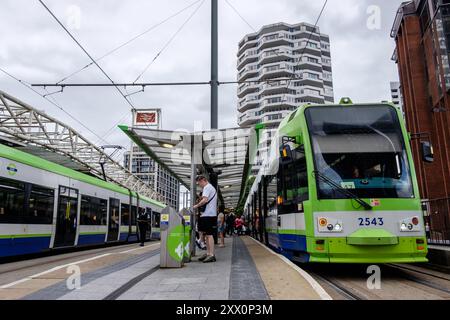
point(223, 152)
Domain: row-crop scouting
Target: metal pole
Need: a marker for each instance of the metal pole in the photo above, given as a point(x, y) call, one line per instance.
point(193, 195)
point(214, 65)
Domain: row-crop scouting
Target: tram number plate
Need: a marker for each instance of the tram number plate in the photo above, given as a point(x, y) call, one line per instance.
point(370, 222)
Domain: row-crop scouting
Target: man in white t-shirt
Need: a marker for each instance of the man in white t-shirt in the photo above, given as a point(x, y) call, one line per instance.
point(207, 222)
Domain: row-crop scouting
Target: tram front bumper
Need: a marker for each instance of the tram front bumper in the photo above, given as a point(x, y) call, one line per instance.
point(340, 250)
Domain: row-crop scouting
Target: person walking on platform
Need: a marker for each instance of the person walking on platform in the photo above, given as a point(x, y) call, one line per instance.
point(230, 223)
point(238, 223)
point(221, 229)
point(144, 219)
point(207, 222)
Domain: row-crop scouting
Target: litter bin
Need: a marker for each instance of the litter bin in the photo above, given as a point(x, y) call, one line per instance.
point(172, 239)
point(187, 215)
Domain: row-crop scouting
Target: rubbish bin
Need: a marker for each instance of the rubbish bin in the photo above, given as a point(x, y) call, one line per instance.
point(172, 239)
point(187, 215)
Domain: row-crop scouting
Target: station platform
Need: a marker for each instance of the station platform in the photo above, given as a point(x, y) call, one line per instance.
point(245, 270)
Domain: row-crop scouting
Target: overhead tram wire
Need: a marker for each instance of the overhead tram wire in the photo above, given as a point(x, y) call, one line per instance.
point(54, 103)
point(149, 84)
point(87, 53)
point(168, 42)
point(129, 41)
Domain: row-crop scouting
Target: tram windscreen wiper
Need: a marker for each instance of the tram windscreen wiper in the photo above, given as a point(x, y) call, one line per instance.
point(344, 191)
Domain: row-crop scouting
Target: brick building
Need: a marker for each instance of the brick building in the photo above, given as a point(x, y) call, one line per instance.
point(422, 34)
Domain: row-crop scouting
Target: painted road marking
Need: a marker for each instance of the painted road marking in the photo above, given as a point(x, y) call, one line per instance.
point(313, 283)
point(140, 248)
point(52, 270)
point(9, 285)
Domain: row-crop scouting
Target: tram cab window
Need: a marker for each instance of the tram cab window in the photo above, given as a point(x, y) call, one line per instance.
point(125, 212)
point(292, 183)
point(25, 203)
point(93, 211)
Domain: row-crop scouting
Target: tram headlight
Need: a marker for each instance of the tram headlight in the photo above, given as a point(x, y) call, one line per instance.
point(328, 225)
point(410, 224)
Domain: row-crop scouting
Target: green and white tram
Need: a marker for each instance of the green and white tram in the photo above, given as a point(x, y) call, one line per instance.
point(339, 186)
point(45, 206)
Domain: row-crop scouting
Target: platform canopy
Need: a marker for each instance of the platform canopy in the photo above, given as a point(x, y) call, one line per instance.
point(223, 153)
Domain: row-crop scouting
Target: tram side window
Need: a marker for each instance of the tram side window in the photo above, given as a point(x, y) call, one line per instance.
point(293, 183)
point(271, 193)
point(12, 200)
point(93, 211)
point(133, 215)
point(25, 203)
point(156, 219)
point(40, 207)
point(125, 209)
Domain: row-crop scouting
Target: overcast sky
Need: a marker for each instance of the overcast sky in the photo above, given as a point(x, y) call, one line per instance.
point(36, 49)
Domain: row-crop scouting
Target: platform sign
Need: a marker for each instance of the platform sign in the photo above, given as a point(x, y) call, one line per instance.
point(146, 118)
point(164, 219)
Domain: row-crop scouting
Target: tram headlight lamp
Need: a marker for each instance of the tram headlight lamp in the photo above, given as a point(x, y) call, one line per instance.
point(337, 227)
point(403, 227)
point(330, 227)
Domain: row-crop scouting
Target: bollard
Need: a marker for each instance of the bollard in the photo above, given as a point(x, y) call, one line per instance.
point(172, 239)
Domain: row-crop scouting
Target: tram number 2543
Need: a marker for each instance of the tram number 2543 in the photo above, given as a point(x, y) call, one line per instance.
point(371, 221)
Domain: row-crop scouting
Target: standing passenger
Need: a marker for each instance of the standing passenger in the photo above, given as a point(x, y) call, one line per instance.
point(208, 217)
point(221, 229)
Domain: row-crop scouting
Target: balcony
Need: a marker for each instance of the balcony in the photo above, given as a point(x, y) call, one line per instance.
point(279, 54)
point(246, 88)
point(248, 72)
point(248, 118)
point(277, 71)
point(248, 102)
point(310, 65)
point(249, 56)
point(247, 45)
point(277, 39)
point(309, 49)
point(287, 100)
point(276, 87)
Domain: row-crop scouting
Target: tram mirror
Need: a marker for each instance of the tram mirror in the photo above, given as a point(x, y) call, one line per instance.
point(427, 152)
point(286, 153)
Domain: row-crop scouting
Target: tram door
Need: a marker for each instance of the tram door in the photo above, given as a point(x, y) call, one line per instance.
point(66, 219)
point(113, 225)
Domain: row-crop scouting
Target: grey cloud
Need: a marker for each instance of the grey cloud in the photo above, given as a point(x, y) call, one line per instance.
point(36, 49)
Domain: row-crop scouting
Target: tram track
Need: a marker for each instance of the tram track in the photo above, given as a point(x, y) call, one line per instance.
point(337, 286)
point(402, 271)
point(349, 282)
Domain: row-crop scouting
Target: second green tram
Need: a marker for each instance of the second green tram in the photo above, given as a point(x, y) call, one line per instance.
point(339, 186)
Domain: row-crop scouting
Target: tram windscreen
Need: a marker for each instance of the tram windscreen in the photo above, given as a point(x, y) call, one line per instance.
point(360, 148)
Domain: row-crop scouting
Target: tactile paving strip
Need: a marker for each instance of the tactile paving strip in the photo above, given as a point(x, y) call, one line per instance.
point(245, 281)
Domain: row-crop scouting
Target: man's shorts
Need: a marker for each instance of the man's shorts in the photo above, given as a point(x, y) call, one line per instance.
point(207, 225)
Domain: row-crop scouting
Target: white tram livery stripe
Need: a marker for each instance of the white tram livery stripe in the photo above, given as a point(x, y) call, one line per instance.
point(352, 221)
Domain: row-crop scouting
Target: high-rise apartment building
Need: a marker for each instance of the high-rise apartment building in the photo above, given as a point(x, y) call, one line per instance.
point(396, 94)
point(282, 67)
